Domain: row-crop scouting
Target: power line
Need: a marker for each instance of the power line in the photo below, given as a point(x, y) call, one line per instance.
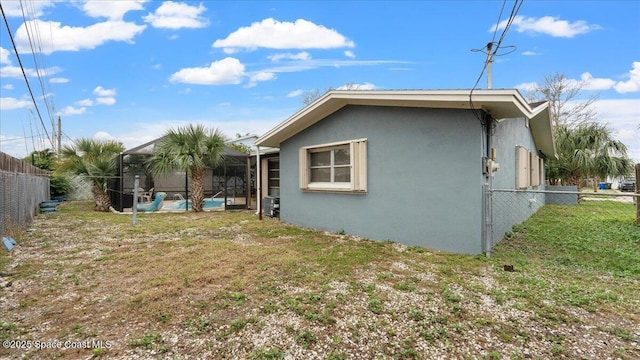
point(47, 85)
point(493, 50)
point(36, 38)
point(516, 7)
point(35, 104)
point(17, 138)
point(493, 47)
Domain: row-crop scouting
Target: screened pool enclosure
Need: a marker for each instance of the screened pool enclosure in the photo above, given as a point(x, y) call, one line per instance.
point(230, 182)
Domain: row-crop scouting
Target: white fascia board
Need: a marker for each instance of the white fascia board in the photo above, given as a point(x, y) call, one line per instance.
point(500, 103)
point(543, 132)
point(289, 125)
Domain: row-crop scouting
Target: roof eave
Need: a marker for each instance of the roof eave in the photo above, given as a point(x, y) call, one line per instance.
point(542, 130)
point(499, 103)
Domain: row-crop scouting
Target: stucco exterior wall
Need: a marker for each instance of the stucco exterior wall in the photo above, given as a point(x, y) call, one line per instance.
point(510, 208)
point(506, 136)
point(424, 178)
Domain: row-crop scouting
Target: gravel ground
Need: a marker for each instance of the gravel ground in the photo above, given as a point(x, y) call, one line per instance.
point(403, 307)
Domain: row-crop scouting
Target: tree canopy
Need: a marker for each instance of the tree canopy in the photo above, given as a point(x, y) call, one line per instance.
point(96, 160)
point(586, 147)
point(43, 159)
point(587, 151)
point(190, 149)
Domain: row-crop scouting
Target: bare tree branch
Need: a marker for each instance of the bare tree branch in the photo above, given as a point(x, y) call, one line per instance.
point(567, 105)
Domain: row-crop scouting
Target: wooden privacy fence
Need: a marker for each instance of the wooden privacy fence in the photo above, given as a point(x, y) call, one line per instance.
point(10, 164)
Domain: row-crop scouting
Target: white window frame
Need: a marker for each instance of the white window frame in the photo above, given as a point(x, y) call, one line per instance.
point(271, 176)
point(357, 166)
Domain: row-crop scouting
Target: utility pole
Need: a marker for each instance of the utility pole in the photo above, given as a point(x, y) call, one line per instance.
point(59, 136)
point(489, 61)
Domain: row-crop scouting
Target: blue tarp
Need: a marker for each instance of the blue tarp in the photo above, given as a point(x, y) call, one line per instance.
point(9, 243)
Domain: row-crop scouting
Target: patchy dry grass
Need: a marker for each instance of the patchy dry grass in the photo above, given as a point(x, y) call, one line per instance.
point(226, 285)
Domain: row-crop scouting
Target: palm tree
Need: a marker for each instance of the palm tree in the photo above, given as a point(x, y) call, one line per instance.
point(588, 150)
point(190, 149)
point(96, 160)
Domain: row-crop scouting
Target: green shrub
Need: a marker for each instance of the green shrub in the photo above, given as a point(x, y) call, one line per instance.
point(60, 184)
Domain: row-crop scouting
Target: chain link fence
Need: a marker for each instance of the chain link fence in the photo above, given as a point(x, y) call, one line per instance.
point(510, 207)
point(80, 188)
point(20, 195)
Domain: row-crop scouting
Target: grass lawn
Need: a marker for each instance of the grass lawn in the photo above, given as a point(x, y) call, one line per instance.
point(226, 285)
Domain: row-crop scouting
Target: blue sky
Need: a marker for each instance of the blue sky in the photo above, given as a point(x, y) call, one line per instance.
point(130, 70)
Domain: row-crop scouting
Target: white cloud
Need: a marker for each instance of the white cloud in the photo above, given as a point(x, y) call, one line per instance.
point(15, 146)
point(16, 71)
point(14, 9)
point(254, 121)
point(85, 102)
point(263, 76)
point(70, 110)
point(50, 71)
point(68, 38)
point(105, 101)
point(633, 84)
point(365, 86)
point(9, 103)
point(103, 135)
point(273, 34)
point(622, 115)
point(530, 53)
point(226, 71)
point(8, 87)
point(590, 83)
point(58, 80)
point(526, 87)
point(260, 76)
point(112, 10)
point(303, 55)
point(102, 92)
point(4, 56)
point(314, 64)
point(627, 135)
point(13, 71)
point(349, 54)
point(295, 93)
point(586, 82)
point(548, 25)
point(624, 112)
point(174, 15)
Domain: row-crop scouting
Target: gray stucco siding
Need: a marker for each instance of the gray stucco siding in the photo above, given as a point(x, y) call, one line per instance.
point(511, 208)
point(506, 136)
point(424, 178)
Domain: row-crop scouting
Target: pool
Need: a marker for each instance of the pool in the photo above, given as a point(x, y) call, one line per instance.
point(208, 204)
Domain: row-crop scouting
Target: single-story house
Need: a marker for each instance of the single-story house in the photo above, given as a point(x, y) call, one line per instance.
point(411, 166)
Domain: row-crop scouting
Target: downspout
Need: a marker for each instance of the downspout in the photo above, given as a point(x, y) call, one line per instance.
point(186, 191)
point(258, 185)
point(121, 182)
point(247, 176)
point(488, 223)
